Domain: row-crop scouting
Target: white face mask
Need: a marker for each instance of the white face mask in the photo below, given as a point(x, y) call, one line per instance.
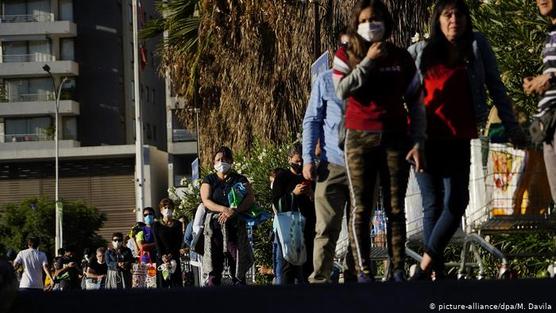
point(371, 32)
point(222, 167)
point(167, 213)
point(116, 244)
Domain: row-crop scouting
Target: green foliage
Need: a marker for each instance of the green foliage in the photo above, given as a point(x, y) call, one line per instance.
point(35, 217)
point(529, 254)
point(516, 32)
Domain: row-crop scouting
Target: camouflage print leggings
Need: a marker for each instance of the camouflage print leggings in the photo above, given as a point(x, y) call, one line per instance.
point(368, 155)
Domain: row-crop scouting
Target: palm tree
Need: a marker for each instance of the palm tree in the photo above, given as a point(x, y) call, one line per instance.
point(246, 63)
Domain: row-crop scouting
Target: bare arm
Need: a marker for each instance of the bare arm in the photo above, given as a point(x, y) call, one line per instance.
point(47, 272)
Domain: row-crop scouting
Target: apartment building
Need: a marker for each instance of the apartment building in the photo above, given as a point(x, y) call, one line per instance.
point(89, 43)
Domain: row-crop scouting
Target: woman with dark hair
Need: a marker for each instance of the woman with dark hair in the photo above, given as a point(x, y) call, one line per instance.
point(225, 233)
point(455, 65)
point(168, 237)
point(291, 192)
point(376, 78)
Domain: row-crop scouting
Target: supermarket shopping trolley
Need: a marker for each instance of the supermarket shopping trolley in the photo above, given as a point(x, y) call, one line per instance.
point(505, 197)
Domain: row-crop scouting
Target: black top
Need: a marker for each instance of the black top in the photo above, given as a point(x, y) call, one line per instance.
point(283, 199)
point(221, 188)
point(168, 239)
point(99, 269)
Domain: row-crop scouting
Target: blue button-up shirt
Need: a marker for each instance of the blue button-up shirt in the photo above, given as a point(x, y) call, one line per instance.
point(321, 121)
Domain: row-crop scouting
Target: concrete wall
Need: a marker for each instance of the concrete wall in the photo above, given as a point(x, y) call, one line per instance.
point(156, 176)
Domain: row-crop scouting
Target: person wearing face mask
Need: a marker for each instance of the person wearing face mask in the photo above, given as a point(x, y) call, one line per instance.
point(97, 270)
point(290, 191)
point(168, 237)
point(225, 233)
point(145, 238)
point(377, 81)
point(118, 261)
point(457, 66)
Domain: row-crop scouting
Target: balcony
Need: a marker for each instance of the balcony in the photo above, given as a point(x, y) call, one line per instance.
point(33, 67)
point(37, 105)
point(35, 24)
point(24, 58)
point(27, 137)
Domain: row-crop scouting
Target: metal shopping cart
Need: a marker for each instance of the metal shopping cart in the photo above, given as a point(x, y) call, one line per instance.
point(379, 247)
point(505, 197)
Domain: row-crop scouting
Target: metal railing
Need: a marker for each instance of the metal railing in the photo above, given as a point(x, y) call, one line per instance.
point(26, 137)
point(31, 97)
point(27, 18)
point(34, 57)
point(180, 135)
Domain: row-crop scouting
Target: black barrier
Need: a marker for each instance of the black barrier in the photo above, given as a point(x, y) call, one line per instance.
point(445, 296)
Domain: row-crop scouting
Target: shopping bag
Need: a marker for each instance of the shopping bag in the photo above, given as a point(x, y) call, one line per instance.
point(289, 227)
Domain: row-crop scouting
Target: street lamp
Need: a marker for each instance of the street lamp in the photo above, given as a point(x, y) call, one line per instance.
point(59, 206)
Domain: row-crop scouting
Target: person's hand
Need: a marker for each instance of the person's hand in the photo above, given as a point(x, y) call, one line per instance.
point(308, 171)
point(415, 157)
point(301, 189)
point(538, 84)
point(226, 215)
point(377, 50)
point(72, 264)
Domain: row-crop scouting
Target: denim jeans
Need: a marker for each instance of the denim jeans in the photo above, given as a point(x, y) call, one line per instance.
point(285, 273)
point(445, 192)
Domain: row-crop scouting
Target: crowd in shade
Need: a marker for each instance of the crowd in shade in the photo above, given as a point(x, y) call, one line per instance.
point(380, 112)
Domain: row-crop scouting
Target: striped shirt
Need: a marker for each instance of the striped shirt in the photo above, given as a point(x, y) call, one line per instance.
point(548, 99)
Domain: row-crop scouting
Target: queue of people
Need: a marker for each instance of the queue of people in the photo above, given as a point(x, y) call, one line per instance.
point(379, 113)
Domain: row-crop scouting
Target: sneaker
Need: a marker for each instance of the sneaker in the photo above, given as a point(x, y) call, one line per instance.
point(398, 276)
point(365, 278)
point(420, 274)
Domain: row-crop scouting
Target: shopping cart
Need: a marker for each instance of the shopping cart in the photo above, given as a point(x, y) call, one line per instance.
point(379, 247)
point(504, 198)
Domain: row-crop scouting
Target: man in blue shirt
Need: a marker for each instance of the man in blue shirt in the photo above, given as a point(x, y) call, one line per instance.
point(321, 125)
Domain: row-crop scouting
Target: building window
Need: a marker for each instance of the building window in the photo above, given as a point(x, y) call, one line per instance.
point(27, 11)
point(65, 10)
point(132, 90)
point(28, 90)
point(66, 49)
point(28, 129)
point(69, 128)
point(69, 90)
point(26, 51)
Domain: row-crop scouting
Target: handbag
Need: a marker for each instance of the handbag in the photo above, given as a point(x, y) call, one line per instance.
point(289, 227)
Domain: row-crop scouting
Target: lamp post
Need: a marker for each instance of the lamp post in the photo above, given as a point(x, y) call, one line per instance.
point(59, 206)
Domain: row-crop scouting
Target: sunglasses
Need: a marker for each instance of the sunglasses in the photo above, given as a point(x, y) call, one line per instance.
point(147, 214)
point(117, 240)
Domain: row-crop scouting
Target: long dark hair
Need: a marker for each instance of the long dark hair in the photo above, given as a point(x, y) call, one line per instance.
point(436, 51)
point(358, 46)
